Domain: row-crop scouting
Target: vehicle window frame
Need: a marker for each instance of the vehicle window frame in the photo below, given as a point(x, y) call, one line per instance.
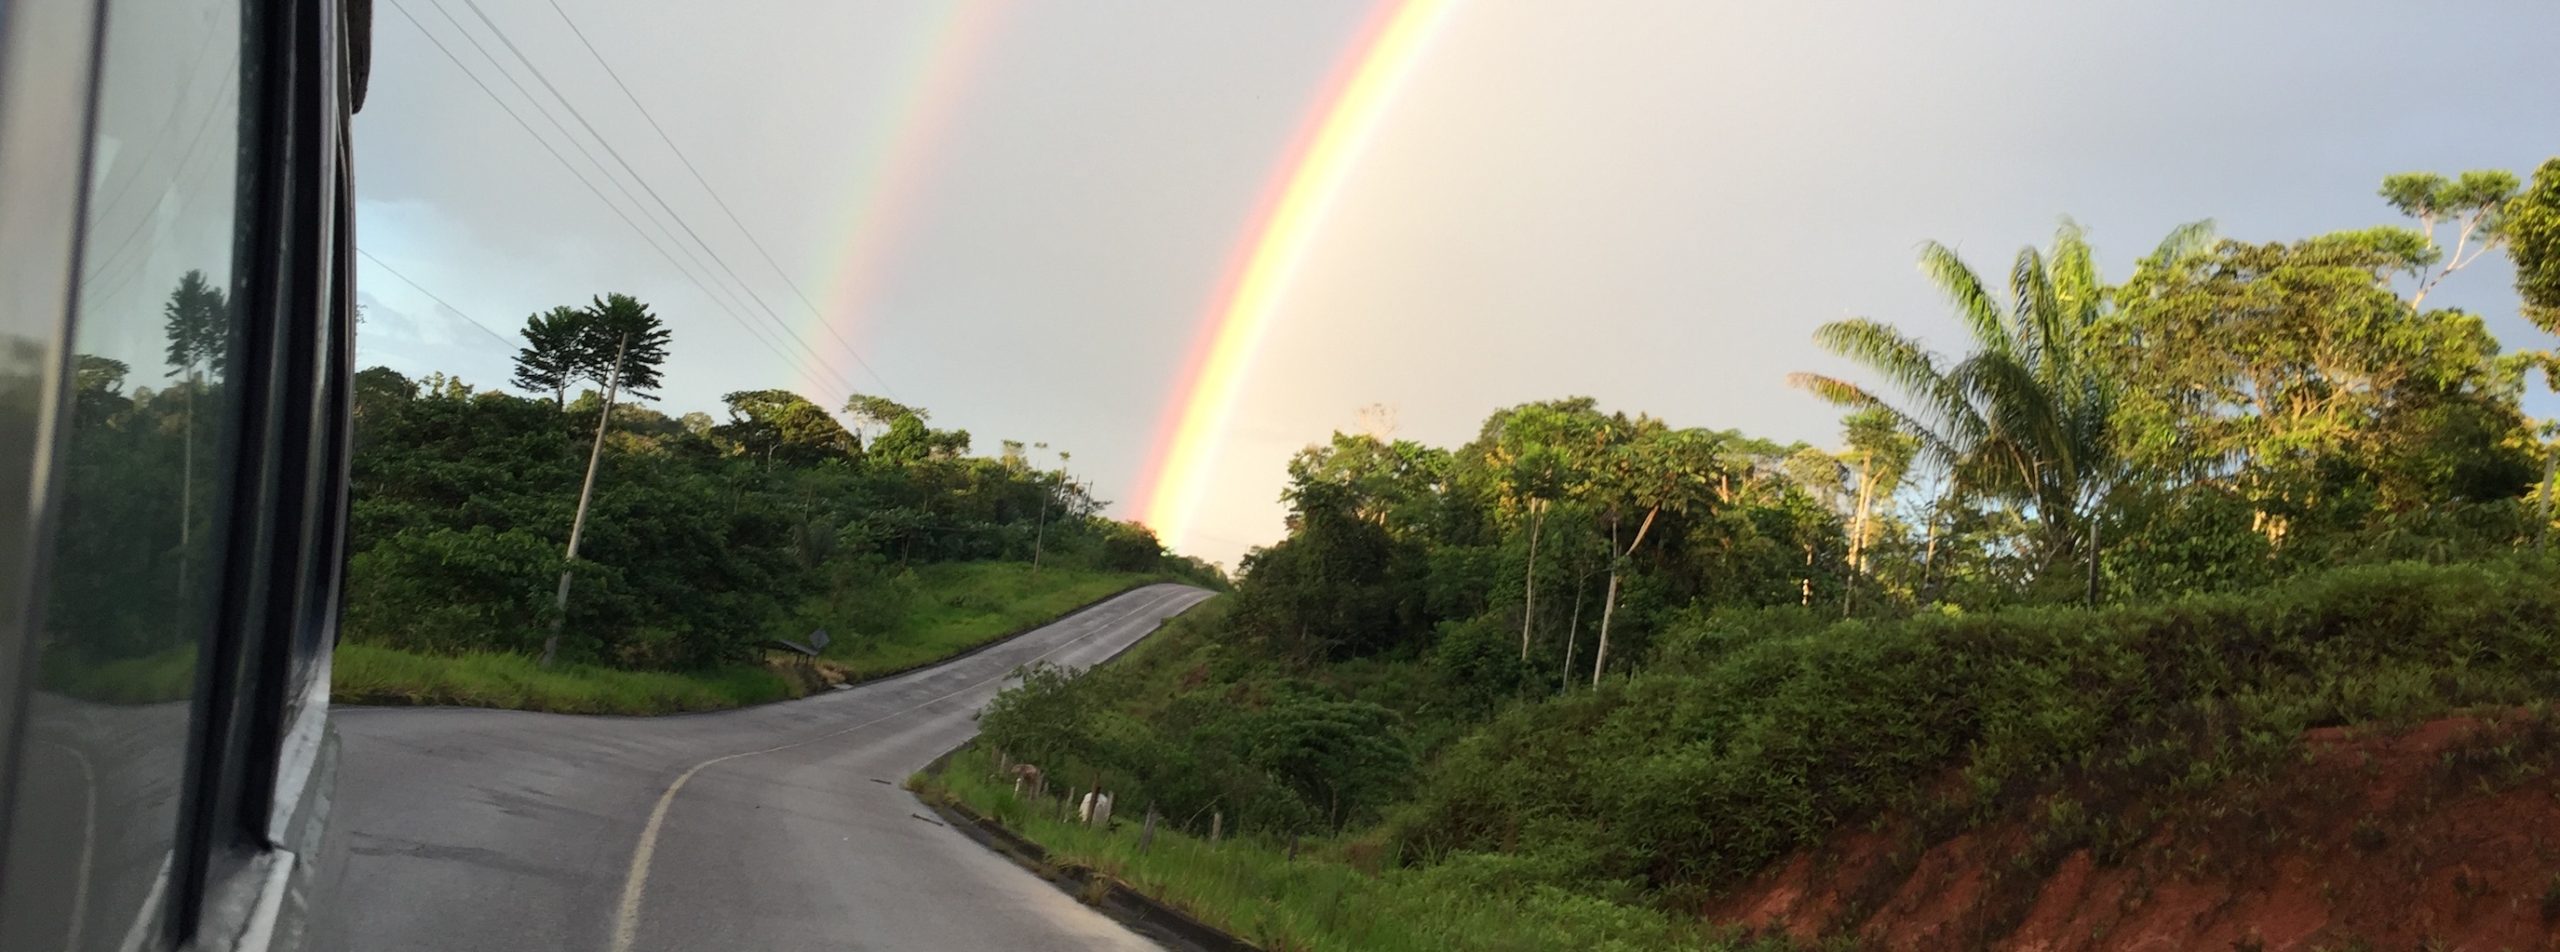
point(261, 699)
point(47, 98)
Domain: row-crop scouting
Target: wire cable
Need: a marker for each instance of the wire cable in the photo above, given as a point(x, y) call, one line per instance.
point(724, 299)
point(431, 295)
point(756, 332)
point(616, 154)
point(699, 179)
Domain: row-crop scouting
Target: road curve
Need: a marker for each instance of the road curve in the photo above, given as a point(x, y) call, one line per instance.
point(467, 830)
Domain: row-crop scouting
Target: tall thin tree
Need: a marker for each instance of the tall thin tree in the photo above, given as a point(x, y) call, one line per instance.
point(197, 322)
point(578, 524)
point(638, 348)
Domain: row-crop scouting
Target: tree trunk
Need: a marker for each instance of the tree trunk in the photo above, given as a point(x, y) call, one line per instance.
point(2094, 550)
point(1609, 602)
point(1573, 628)
point(187, 483)
point(2550, 463)
point(1608, 607)
point(1858, 535)
point(586, 493)
point(1807, 581)
point(1529, 588)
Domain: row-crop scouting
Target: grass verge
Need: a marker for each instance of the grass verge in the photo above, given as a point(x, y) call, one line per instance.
point(369, 674)
point(1336, 895)
point(961, 606)
point(958, 607)
point(165, 675)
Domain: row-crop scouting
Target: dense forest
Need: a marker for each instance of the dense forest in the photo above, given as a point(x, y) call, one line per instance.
point(2118, 551)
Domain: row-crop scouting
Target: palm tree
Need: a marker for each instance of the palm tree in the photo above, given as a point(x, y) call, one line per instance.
point(2027, 417)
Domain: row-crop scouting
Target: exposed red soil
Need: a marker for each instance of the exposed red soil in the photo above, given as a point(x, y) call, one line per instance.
point(2443, 837)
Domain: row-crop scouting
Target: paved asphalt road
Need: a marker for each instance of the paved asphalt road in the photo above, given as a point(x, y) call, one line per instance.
point(463, 830)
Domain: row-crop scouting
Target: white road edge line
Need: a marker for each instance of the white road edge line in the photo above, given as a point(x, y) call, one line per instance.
point(635, 882)
point(139, 931)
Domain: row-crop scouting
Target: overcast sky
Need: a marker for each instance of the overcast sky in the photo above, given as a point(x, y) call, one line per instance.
point(1649, 203)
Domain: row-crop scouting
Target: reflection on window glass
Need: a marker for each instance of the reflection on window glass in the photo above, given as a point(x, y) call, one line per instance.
point(136, 553)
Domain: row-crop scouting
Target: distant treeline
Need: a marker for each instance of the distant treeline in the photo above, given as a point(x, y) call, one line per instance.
point(704, 537)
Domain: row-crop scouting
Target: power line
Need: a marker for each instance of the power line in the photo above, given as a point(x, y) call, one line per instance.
point(576, 113)
point(723, 300)
point(160, 135)
point(194, 143)
point(772, 337)
point(760, 336)
point(431, 295)
point(537, 138)
point(716, 300)
point(698, 179)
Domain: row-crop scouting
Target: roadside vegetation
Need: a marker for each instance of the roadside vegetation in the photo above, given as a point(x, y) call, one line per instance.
point(704, 544)
point(2094, 576)
point(168, 674)
point(1334, 895)
point(954, 607)
point(370, 674)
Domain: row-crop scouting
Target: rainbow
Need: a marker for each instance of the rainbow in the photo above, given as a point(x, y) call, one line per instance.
point(935, 74)
point(1309, 179)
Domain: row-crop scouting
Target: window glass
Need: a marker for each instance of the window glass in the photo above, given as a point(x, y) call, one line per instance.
point(140, 485)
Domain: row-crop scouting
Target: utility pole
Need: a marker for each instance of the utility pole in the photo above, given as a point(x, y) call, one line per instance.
point(1040, 534)
point(586, 492)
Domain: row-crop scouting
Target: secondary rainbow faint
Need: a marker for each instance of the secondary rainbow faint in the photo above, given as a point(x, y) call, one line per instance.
point(1394, 39)
point(934, 72)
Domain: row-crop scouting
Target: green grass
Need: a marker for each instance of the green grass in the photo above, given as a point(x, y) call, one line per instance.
point(965, 605)
point(1322, 901)
point(957, 607)
point(370, 674)
point(166, 675)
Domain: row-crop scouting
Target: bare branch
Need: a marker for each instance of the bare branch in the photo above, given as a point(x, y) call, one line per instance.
point(2455, 261)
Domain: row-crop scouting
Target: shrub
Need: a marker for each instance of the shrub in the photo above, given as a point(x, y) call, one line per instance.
point(1479, 660)
point(447, 590)
point(1708, 769)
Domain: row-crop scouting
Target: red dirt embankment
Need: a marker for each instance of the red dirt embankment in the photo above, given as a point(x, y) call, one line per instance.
point(2443, 837)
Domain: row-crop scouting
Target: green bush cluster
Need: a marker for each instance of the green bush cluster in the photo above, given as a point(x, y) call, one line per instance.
point(1738, 746)
point(702, 542)
point(1272, 754)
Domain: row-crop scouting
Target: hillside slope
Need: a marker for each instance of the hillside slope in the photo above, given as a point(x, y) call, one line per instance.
point(2445, 835)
